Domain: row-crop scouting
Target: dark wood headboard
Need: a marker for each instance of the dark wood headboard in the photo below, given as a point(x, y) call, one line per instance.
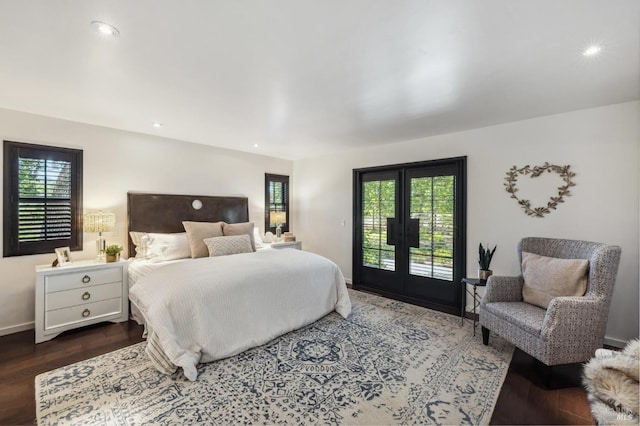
point(165, 213)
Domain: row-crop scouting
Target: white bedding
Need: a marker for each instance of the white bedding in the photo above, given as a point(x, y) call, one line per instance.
point(137, 269)
point(201, 310)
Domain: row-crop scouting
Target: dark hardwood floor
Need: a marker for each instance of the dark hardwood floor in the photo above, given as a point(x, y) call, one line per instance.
point(527, 398)
point(21, 360)
point(522, 400)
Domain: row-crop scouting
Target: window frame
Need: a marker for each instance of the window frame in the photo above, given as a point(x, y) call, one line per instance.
point(11, 245)
point(268, 178)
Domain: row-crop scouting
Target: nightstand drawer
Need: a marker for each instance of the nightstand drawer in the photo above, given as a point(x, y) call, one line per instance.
point(81, 296)
point(82, 313)
point(60, 282)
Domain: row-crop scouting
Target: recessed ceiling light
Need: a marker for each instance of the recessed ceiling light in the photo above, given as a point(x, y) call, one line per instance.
point(104, 28)
point(156, 124)
point(255, 145)
point(592, 50)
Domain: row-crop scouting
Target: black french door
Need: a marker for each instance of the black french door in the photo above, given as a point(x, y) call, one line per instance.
point(409, 232)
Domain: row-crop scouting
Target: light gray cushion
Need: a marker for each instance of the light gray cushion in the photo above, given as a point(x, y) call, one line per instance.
point(197, 232)
point(239, 229)
point(224, 246)
point(549, 277)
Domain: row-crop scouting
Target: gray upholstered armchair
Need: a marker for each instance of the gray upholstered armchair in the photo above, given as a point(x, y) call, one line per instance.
point(571, 328)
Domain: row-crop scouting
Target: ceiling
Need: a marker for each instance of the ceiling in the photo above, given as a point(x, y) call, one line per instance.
point(307, 77)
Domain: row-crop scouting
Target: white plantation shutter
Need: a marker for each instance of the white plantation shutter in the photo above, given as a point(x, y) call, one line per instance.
point(43, 187)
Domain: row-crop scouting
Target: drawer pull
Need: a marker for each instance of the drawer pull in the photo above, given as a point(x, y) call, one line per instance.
point(86, 295)
point(86, 279)
point(86, 313)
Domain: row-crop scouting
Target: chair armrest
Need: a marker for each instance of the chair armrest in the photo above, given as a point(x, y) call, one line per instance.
point(503, 289)
point(573, 316)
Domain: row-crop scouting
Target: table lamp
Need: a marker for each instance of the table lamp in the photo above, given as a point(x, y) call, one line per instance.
point(278, 218)
point(99, 222)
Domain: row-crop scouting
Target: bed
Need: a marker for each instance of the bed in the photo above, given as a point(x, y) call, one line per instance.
point(204, 309)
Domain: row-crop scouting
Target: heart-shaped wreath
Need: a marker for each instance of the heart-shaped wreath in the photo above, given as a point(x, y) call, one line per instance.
point(563, 171)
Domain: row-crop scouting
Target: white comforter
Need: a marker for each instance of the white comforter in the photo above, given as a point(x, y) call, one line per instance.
point(206, 309)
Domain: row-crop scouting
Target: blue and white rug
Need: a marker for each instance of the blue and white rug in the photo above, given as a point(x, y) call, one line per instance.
point(388, 363)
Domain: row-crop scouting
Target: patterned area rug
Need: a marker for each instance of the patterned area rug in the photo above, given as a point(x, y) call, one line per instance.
point(388, 363)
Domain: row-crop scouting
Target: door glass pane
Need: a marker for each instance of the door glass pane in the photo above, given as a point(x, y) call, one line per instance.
point(378, 204)
point(432, 203)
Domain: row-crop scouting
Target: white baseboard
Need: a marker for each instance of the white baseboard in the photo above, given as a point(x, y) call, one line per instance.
point(17, 328)
point(349, 282)
point(614, 342)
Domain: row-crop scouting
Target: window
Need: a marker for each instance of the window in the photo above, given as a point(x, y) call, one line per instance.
point(42, 198)
point(276, 194)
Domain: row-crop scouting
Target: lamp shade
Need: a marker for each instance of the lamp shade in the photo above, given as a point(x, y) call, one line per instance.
point(278, 217)
point(99, 222)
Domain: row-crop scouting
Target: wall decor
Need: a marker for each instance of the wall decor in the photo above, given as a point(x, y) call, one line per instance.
point(565, 175)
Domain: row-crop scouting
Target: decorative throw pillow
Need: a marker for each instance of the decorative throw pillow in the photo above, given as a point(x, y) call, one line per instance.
point(224, 246)
point(549, 277)
point(197, 232)
point(163, 247)
point(239, 229)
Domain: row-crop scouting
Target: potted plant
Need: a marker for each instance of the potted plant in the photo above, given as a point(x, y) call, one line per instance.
point(113, 253)
point(484, 260)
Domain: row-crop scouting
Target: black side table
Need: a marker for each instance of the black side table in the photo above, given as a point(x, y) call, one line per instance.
point(475, 282)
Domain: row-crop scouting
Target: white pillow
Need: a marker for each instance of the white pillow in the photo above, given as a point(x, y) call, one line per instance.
point(233, 244)
point(157, 247)
point(140, 240)
point(257, 239)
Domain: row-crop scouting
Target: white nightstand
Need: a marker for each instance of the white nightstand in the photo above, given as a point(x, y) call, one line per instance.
point(83, 293)
point(291, 244)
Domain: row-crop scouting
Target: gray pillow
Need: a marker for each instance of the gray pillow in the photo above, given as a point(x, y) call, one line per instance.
point(549, 277)
point(224, 246)
point(239, 229)
point(197, 232)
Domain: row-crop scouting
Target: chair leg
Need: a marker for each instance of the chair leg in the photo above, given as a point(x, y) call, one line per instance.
point(485, 336)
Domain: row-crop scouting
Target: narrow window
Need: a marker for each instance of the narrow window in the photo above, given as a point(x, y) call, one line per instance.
point(276, 194)
point(42, 198)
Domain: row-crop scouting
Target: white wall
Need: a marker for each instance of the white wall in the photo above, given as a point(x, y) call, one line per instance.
point(601, 145)
point(116, 162)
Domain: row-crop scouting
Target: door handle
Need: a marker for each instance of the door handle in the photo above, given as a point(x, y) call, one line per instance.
point(413, 233)
point(391, 231)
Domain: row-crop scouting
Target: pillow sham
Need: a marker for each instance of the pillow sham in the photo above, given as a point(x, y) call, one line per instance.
point(139, 240)
point(549, 277)
point(158, 247)
point(239, 229)
point(135, 237)
point(197, 232)
point(257, 239)
point(224, 246)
